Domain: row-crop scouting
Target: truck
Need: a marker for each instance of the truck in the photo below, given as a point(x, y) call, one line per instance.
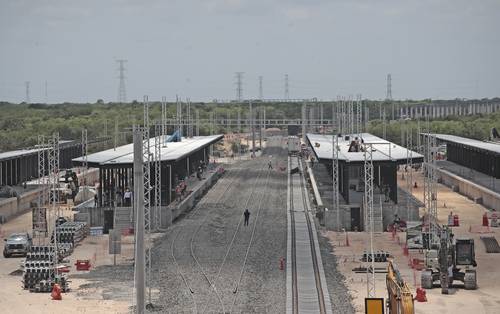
point(293, 145)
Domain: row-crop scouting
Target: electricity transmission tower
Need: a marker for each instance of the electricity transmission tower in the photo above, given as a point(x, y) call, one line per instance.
point(261, 93)
point(388, 94)
point(287, 90)
point(122, 94)
point(239, 85)
point(27, 86)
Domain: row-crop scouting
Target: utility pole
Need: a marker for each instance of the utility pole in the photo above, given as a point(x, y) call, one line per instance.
point(261, 93)
point(85, 161)
point(351, 115)
point(304, 122)
point(239, 85)
point(27, 86)
point(430, 185)
point(252, 127)
point(140, 258)
point(368, 202)
point(164, 121)
point(409, 167)
point(179, 116)
point(384, 125)
point(46, 93)
point(287, 90)
point(116, 133)
point(321, 118)
point(146, 179)
point(335, 174)
point(157, 177)
point(189, 127)
point(53, 158)
point(197, 122)
point(239, 134)
point(359, 115)
point(122, 94)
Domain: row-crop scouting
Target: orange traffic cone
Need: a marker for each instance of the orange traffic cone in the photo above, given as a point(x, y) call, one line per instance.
point(56, 292)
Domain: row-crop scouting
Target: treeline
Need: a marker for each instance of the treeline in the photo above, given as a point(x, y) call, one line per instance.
point(20, 124)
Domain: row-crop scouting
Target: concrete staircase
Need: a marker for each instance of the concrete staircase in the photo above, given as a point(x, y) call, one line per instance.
point(122, 219)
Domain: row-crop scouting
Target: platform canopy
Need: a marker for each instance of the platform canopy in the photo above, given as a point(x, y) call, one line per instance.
point(472, 143)
point(173, 151)
point(382, 150)
point(30, 151)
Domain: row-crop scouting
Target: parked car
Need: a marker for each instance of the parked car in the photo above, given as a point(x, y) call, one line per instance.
point(17, 243)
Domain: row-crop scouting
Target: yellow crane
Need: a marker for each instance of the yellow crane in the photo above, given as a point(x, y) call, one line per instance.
point(400, 299)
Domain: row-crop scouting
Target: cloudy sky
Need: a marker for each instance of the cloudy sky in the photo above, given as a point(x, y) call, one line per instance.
point(433, 48)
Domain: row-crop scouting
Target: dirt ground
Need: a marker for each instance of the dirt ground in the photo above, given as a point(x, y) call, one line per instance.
point(81, 299)
point(486, 299)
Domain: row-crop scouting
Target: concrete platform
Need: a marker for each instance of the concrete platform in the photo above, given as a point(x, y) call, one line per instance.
point(196, 190)
point(477, 186)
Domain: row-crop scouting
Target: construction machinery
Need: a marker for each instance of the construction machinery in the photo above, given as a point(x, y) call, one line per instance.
point(450, 259)
point(400, 299)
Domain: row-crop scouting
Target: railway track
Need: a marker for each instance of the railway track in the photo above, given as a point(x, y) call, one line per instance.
point(216, 193)
point(215, 196)
point(308, 291)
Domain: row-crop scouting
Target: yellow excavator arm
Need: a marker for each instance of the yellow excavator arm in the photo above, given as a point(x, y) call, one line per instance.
point(400, 299)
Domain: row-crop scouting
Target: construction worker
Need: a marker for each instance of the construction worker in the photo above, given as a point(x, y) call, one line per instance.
point(247, 216)
point(127, 197)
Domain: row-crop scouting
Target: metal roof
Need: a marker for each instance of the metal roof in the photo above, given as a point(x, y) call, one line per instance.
point(25, 152)
point(487, 146)
point(382, 150)
point(172, 152)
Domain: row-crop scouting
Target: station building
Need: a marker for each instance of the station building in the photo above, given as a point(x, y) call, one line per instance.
point(388, 198)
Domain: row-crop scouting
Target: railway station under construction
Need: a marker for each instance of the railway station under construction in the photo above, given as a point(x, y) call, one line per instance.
point(386, 158)
point(298, 226)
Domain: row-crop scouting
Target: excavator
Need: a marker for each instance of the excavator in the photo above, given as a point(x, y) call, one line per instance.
point(400, 299)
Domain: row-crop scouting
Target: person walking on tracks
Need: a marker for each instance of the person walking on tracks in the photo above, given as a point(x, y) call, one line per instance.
point(247, 216)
